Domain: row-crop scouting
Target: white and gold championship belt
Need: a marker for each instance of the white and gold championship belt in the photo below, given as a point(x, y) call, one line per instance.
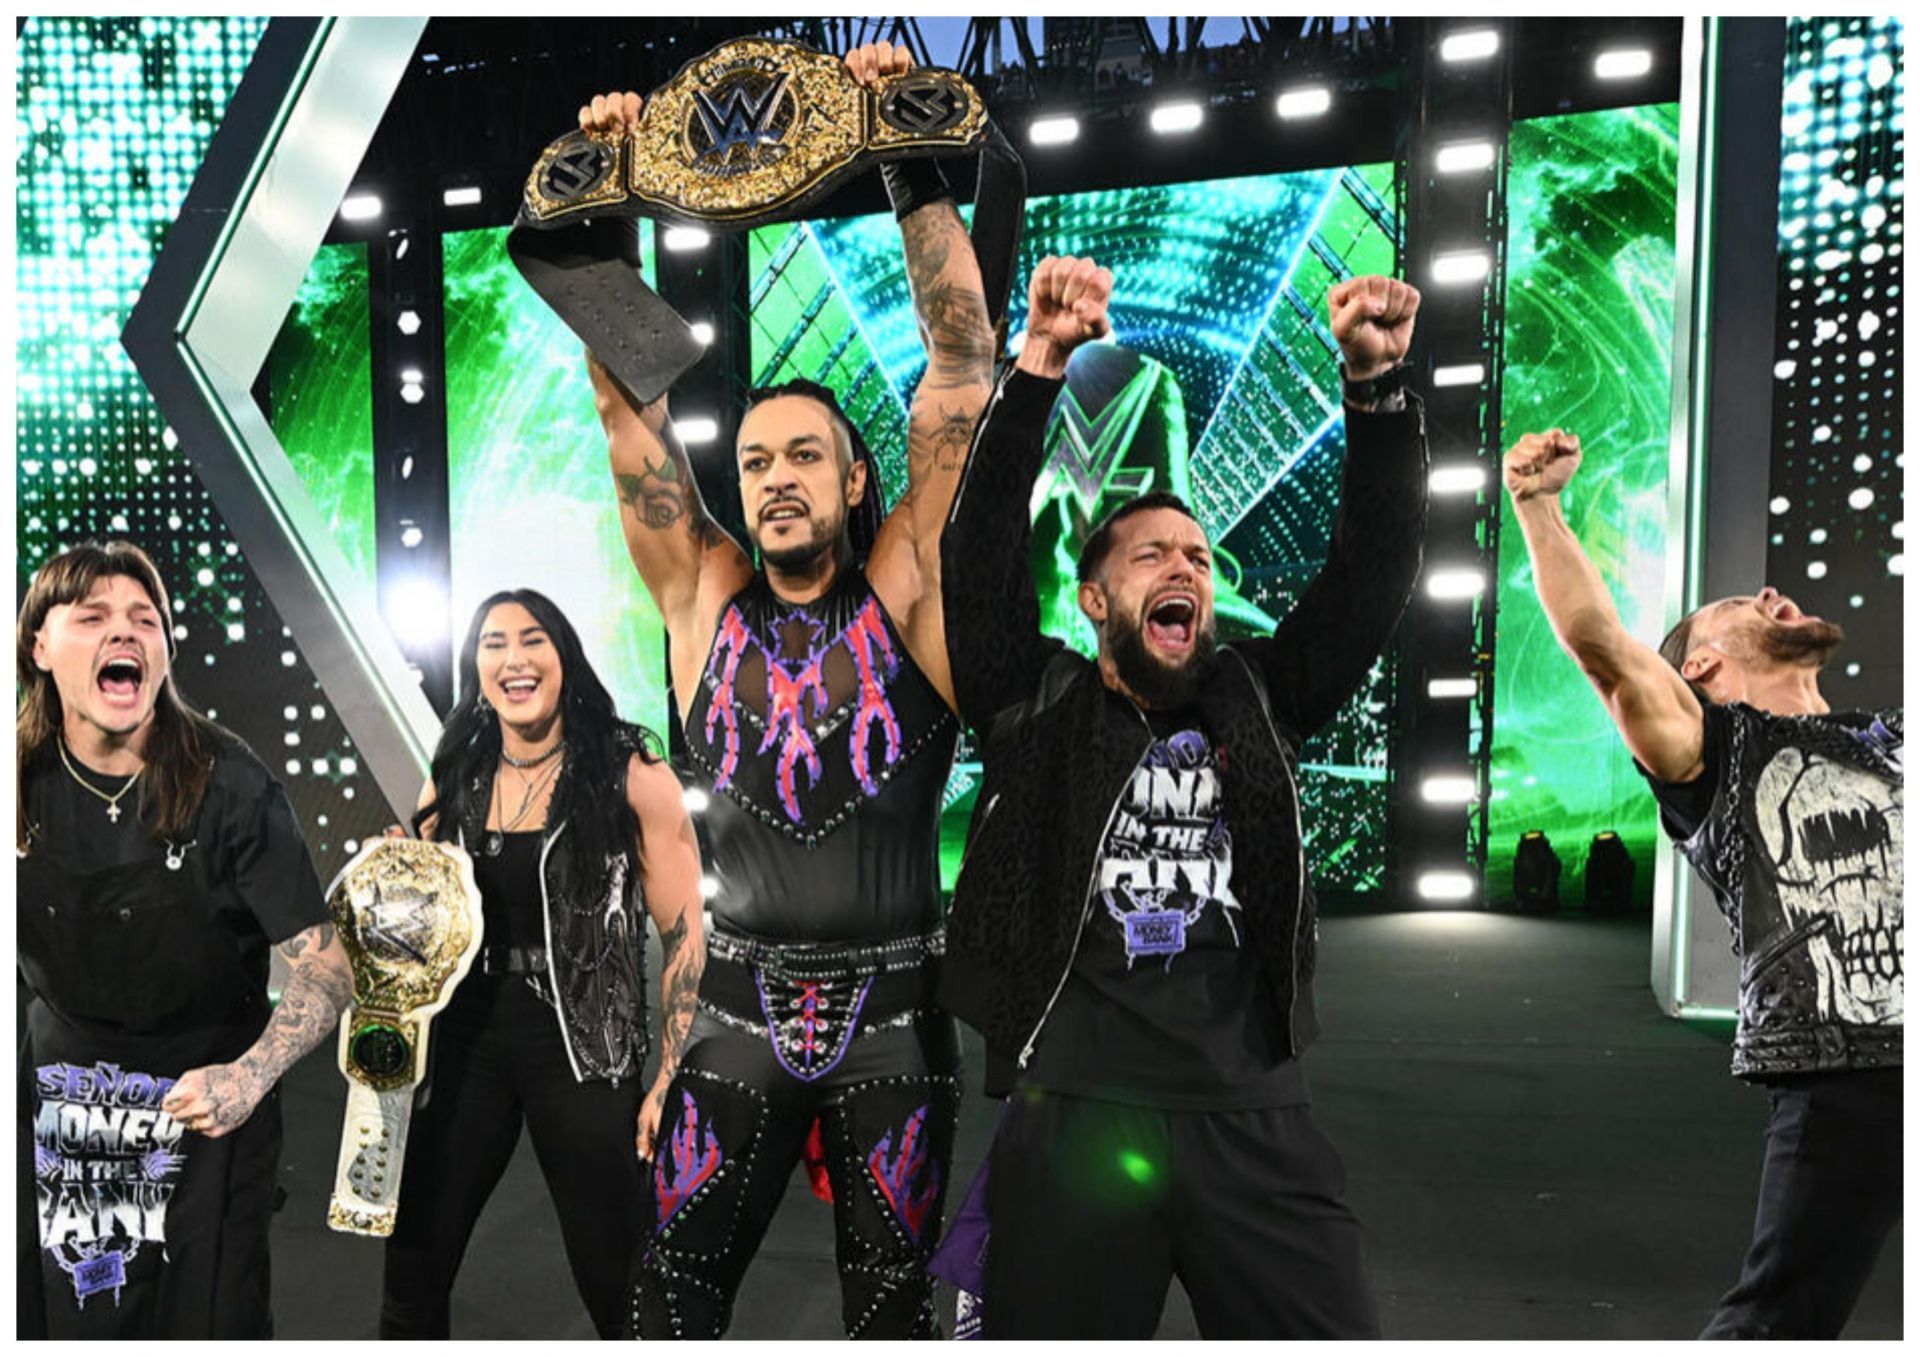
point(408, 914)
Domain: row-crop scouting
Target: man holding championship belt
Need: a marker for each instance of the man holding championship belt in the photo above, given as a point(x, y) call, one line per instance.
point(817, 704)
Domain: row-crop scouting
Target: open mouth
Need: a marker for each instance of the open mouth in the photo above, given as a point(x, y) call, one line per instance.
point(1785, 611)
point(1170, 622)
point(519, 689)
point(783, 512)
point(121, 677)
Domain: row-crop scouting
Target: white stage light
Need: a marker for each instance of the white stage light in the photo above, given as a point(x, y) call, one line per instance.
point(409, 322)
point(1461, 157)
point(702, 333)
point(1170, 119)
point(417, 613)
point(1463, 479)
point(412, 393)
point(465, 196)
point(1626, 63)
point(1453, 687)
point(695, 800)
point(709, 887)
point(1303, 103)
point(681, 239)
point(1449, 789)
point(1455, 583)
point(696, 429)
point(360, 207)
point(1053, 131)
point(1460, 266)
point(412, 375)
point(1459, 374)
point(1474, 44)
point(1445, 886)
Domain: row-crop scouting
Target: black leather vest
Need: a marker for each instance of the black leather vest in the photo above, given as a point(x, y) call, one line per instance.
point(827, 752)
point(595, 915)
point(1802, 847)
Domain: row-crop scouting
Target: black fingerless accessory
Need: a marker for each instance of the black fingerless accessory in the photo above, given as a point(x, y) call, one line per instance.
point(912, 184)
point(1375, 389)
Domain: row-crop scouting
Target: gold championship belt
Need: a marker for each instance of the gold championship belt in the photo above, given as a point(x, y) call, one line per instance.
point(757, 131)
point(753, 132)
point(408, 914)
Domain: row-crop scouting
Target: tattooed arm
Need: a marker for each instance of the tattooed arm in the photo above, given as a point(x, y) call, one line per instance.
point(949, 302)
point(670, 858)
point(217, 1099)
point(687, 562)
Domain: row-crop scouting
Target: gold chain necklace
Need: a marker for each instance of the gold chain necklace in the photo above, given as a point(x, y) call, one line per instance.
point(113, 802)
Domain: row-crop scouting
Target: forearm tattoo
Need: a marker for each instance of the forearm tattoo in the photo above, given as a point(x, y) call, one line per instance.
point(316, 993)
point(950, 306)
point(680, 969)
point(664, 495)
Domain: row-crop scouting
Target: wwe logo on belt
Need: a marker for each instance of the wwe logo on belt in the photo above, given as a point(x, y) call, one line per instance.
point(744, 112)
point(578, 169)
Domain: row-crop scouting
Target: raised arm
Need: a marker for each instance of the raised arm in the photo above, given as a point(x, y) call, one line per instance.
point(689, 565)
point(1656, 712)
point(670, 858)
point(992, 613)
point(950, 306)
point(1322, 650)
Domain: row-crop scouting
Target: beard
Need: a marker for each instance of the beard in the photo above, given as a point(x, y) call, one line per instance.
point(1153, 680)
point(796, 558)
point(1810, 644)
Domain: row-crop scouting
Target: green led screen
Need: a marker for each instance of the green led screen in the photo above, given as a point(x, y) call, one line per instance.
point(112, 119)
point(1229, 396)
point(320, 378)
point(1589, 342)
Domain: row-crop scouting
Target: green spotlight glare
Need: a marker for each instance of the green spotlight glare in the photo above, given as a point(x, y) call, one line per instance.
point(1138, 1167)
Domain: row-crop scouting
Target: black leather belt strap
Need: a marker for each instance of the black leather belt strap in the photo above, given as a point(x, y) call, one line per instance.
point(755, 132)
point(499, 959)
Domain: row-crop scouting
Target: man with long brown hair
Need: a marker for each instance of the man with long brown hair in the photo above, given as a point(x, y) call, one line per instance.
point(159, 862)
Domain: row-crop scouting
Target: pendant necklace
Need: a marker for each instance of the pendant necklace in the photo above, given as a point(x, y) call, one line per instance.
point(113, 802)
point(496, 838)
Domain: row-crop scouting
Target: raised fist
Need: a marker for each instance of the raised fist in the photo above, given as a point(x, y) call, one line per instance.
point(1541, 464)
point(876, 59)
point(1066, 306)
point(1372, 320)
point(611, 114)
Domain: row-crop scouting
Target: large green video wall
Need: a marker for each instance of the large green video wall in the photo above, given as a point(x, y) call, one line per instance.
point(1589, 344)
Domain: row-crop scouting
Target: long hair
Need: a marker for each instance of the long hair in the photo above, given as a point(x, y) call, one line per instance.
point(598, 743)
point(864, 518)
point(1677, 644)
point(178, 754)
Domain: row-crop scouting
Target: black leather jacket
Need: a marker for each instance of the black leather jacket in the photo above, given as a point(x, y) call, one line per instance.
point(1801, 844)
point(1059, 745)
point(595, 914)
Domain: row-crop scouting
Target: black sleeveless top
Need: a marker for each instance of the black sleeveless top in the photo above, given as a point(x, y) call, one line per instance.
point(827, 753)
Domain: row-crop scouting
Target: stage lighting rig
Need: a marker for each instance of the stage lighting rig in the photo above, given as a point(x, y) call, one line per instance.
point(1536, 874)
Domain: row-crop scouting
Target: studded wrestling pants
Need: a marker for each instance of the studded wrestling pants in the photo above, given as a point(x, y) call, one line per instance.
point(877, 1066)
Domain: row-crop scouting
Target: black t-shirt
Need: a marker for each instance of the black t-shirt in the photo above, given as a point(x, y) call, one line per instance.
point(244, 856)
point(1684, 806)
point(1165, 1004)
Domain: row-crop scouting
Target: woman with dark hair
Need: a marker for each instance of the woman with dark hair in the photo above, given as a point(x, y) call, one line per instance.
point(158, 863)
point(576, 827)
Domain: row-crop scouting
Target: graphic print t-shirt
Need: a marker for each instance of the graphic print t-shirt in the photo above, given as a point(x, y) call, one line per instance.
point(1165, 1004)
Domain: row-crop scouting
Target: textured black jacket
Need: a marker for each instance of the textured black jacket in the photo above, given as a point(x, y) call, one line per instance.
point(1059, 746)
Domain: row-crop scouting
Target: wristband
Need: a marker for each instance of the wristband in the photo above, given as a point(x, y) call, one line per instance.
point(1374, 390)
point(912, 184)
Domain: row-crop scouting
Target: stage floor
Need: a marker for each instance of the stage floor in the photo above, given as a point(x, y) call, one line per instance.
point(1534, 1150)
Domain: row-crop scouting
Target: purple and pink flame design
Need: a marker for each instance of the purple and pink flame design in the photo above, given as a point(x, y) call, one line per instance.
point(896, 1176)
point(797, 695)
point(695, 1157)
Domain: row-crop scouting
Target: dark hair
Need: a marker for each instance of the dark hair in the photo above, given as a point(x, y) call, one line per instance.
point(1678, 644)
point(178, 753)
point(864, 518)
point(598, 743)
point(1093, 553)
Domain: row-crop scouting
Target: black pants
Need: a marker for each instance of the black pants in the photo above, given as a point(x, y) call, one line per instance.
point(886, 1094)
point(1829, 1196)
point(498, 1060)
point(1095, 1207)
